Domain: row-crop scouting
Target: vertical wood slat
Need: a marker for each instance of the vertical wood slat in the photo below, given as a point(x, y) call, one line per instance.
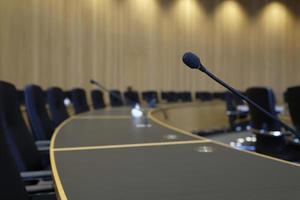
point(140, 43)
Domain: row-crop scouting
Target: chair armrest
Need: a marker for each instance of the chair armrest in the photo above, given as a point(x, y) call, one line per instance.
point(42, 143)
point(40, 188)
point(35, 175)
point(43, 149)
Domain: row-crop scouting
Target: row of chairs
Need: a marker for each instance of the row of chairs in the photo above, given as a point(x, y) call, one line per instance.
point(24, 158)
point(132, 97)
point(29, 147)
point(128, 98)
point(25, 151)
point(55, 97)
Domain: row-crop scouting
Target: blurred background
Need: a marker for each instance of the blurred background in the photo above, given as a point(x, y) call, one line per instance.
point(140, 43)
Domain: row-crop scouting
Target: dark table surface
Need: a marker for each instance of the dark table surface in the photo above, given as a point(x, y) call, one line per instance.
point(109, 155)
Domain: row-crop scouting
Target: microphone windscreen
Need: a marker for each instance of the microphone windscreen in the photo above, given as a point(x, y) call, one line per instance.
point(191, 60)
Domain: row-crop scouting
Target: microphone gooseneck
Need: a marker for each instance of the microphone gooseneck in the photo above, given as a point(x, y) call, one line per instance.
point(112, 93)
point(193, 61)
point(92, 81)
point(98, 85)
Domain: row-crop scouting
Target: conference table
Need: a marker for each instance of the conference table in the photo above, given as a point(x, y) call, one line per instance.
point(108, 154)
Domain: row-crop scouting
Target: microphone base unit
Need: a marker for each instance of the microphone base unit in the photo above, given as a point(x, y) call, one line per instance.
point(276, 144)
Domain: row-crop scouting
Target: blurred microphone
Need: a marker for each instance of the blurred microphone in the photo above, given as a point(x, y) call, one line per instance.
point(193, 61)
point(136, 111)
point(93, 82)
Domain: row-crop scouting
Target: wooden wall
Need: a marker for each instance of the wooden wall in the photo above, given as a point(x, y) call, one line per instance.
point(140, 42)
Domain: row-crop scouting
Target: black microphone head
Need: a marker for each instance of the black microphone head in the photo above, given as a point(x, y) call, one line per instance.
point(192, 61)
point(92, 81)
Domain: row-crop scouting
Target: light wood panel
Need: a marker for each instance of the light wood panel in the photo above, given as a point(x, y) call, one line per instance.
point(140, 43)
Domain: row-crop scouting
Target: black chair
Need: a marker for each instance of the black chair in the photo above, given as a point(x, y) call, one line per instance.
point(17, 135)
point(115, 98)
point(266, 99)
point(285, 98)
point(204, 96)
point(172, 97)
point(97, 99)
point(21, 97)
point(293, 99)
point(262, 125)
point(41, 125)
point(57, 108)
point(150, 96)
point(219, 95)
point(79, 101)
point(13, 187)
point(164, 95)
point(185, 96)
point(131, 97)
point(237, 119)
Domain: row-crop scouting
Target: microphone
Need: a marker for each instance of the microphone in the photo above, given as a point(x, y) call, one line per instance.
point(93, 82)
point(193, 61)
point(136, 111)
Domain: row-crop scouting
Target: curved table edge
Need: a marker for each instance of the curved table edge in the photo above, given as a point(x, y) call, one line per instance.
point(61, 195)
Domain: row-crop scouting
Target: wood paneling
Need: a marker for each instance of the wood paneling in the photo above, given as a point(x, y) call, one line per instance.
point(140, 43)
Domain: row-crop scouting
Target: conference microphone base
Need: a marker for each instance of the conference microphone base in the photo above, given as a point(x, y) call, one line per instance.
point(282, 146)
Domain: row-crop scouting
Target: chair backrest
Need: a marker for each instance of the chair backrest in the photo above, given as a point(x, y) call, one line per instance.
point(293, 100)
point(131, 97)
point(238, 100)
point(185, 96)
point(12, 187)
point(41, 125)
point(97, 99)
point(115, 98)
point(204, 96)
point(266, 99)
point(219, 95)
point(17, 135)
point(57, 108)
point(21, 97)
point(79, 101)
point(285, 97)
point(164, 95)
point(230, 103)
point(150, 96)
point(170, 96)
